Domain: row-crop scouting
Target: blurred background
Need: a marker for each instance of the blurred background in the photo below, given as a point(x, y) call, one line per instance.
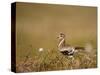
point(38, 25)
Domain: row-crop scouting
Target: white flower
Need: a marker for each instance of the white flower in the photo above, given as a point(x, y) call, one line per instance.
point(40, 49)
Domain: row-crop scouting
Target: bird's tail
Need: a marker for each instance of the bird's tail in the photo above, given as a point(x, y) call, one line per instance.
point(78, 48)
point(88, 47)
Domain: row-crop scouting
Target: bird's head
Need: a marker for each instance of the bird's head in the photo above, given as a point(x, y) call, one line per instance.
point(61, 36)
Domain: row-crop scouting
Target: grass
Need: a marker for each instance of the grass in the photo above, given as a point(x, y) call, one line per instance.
point(37, 26)
point(29, 59)
point(50, 60)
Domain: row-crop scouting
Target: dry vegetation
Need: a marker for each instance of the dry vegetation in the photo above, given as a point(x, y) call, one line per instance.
point(39, 25)
point(54, 60)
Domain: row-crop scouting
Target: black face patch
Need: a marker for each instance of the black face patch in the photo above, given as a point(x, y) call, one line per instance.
point(62, 35)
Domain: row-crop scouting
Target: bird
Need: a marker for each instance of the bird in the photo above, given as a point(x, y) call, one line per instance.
point(64, 48)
